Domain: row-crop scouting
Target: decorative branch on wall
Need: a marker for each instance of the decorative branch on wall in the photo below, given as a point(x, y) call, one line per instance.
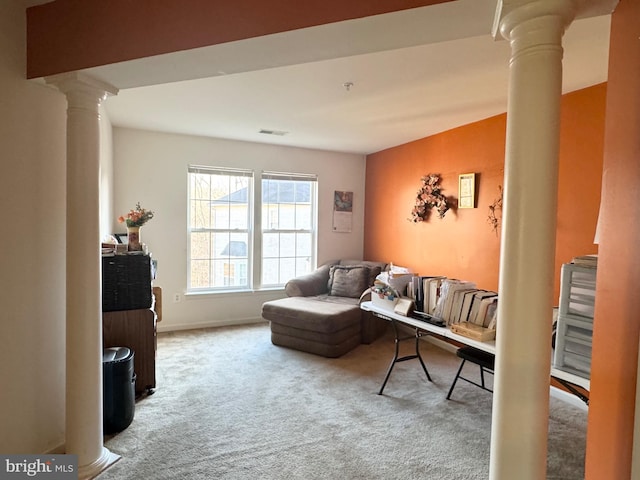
point(494, 209)
point(429, 197)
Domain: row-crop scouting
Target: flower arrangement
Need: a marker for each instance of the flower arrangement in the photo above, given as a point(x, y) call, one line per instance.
point(137, 217)
point(429, 197)
point(384, 291)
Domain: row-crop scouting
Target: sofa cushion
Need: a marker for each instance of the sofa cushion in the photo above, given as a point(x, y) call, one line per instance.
point(312, 314)
point(349, 280)
point(332, 338)
point(333, 299)
point(375, 268)
point(314, 283)
point(329, 350)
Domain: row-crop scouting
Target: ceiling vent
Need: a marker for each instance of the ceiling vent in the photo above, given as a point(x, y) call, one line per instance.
point(279, 133)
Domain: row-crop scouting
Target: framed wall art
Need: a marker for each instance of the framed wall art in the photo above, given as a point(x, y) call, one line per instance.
point(467, 190)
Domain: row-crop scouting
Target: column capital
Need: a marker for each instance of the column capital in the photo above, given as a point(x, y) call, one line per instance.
point(512, 13)
point(78, 86)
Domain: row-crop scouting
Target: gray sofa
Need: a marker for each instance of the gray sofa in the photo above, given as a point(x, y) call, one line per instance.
point(322, 314)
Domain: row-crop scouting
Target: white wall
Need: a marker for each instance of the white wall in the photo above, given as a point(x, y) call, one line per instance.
point(32, 256)
point(151, 167)
point(106, 174)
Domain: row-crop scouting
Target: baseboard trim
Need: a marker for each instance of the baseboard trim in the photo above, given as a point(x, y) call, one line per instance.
point(210, 324)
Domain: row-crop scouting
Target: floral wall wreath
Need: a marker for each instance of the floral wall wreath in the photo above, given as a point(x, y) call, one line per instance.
point(429, 197)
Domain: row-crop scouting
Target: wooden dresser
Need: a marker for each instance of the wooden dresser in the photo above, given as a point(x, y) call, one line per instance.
point(131, 308)
point(134, 329)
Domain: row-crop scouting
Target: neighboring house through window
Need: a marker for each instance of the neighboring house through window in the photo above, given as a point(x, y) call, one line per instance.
point(288, 227)
point(236, 243)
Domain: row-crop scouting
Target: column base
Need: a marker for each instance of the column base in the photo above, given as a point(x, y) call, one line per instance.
point(106, 459)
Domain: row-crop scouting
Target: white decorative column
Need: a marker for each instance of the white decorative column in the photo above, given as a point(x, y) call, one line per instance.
point(84, 433)
point(523, 362)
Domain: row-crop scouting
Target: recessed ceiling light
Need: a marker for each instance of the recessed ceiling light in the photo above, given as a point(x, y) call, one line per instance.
point(280, 133)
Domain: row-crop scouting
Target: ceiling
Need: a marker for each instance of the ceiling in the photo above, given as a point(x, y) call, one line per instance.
point(412, 74)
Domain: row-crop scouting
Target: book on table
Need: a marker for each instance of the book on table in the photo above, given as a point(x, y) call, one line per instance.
point(586, 260)
point(424, 292)
point(432, 293)
point(419, 293)
point(412, 289)
point(458, 300)
point(445, 300)
point(491, 319)
point(477, 300)
point(466, 304)
point(481, 316)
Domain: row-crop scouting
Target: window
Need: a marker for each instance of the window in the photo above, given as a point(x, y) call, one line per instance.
point(246, 232)
point(288, 227)
point(219, 228)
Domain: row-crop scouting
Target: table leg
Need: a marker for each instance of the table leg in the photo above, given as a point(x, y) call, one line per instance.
point(397, 358)
point(573, 390)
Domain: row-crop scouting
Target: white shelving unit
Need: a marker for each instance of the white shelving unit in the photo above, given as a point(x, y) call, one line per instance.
point(575, 319)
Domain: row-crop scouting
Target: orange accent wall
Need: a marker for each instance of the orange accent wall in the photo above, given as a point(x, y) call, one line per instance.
point(617, 322)
point(463, 244)
point(68, 35)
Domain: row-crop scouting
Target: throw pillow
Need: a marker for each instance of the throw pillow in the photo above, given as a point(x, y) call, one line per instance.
point(348, 280)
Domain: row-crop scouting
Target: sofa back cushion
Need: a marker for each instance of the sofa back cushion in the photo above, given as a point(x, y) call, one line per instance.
point(351, 280)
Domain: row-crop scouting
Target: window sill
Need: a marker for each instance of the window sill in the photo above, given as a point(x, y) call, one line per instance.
point(230, 293)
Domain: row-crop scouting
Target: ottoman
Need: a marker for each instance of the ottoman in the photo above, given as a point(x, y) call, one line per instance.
point(312, 325)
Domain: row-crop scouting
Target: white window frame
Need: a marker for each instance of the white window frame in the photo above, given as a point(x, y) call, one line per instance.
point(255, 231)
point(192, 169)
point(313, 222)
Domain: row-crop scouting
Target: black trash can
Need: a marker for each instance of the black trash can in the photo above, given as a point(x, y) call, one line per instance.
point(118, 383)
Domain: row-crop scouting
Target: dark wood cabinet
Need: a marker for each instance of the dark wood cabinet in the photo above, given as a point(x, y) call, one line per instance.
point(135, 329)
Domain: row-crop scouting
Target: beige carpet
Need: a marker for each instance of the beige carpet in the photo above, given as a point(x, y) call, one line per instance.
point(230, 405)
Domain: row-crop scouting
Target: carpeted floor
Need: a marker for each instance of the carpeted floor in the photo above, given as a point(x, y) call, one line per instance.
point(230, 405)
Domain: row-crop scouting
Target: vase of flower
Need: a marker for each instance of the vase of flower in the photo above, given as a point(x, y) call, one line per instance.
point(134, 220)
point(133, 239)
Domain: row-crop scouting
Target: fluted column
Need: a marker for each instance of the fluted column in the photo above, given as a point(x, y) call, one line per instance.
point(84, 433)
point(523, 361)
